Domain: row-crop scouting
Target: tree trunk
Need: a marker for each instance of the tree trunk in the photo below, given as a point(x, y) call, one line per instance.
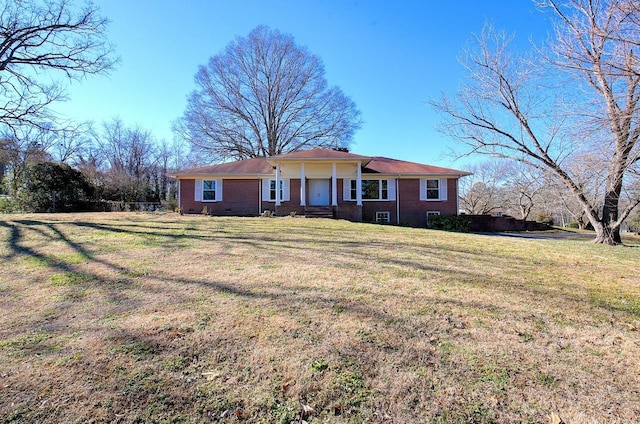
point(607, 234)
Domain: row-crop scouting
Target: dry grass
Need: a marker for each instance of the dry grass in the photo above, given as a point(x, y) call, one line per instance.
point(161, 318)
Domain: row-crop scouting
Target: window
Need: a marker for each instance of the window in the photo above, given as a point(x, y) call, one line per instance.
point(433, 189)
point(431, 214)
point(209, 190)
point(272, 190)
point(383, 217)
point(371, 189)
point(269, 190)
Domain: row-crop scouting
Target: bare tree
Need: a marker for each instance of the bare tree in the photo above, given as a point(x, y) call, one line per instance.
point(21, 147)
point(482, 192)
point(562, 204)
point(69, 145)
point(129, 158)
point(524, 188)
point(39, 39)
point(265, 95)
point(580, 95)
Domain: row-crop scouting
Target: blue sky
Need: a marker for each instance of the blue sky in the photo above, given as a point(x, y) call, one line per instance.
point(390, 57)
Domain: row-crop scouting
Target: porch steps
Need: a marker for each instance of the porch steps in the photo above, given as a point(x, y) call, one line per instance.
point(318, 212)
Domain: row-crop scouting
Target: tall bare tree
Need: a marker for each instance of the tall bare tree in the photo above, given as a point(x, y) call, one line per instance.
point(265, 95)
point(581, 95)
point(40, 39)
point(129, 161)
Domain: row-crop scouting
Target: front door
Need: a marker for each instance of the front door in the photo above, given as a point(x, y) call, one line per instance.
point(319, 192)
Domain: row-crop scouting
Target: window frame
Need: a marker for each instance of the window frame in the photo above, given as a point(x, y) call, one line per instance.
point(214, 190)
point(267, 190)
point(432, 189)
point(272, 190)
point(383, 189)
point(428, 189)
point(431, 213)
point(386, 220)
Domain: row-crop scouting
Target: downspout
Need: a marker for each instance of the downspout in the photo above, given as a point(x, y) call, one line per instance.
point(259, 196)
point(398, 200)
point(179, 196)
point(457, 196)
point(278, 198)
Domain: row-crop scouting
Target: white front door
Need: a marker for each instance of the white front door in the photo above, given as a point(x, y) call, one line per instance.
point(319, 192)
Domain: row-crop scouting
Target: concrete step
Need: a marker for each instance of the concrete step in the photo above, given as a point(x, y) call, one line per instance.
point(318, 212)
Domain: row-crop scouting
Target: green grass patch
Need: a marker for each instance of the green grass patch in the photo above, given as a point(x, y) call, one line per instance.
point(65, 279)
point(72, 258)
point(32, 343)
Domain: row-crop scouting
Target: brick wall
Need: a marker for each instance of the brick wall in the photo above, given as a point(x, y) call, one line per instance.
point(490, 223)
point(286, 207)
point(413, 211)
point(369, 209)
point(239, 197)
point(349, 211)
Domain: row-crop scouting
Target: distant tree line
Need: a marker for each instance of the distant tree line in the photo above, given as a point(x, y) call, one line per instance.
point(568, 107)
point(510, 188)
point(61, 171)
point(51, 164)
point(263, 95)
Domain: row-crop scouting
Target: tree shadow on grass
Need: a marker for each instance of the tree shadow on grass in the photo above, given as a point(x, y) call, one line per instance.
point(328, 303)
point(343, 252)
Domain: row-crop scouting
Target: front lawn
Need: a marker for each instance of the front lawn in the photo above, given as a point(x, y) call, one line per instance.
point(165, 318)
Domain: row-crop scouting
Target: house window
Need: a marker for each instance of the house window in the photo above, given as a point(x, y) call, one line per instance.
point(354, 192)
point(209, 190)
point(272, 190)
point(431, 214)
point(372, 189)
point(433, 189)
point(383, 217)
point(269, 190)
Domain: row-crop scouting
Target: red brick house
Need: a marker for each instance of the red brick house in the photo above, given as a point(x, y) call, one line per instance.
point(323, 182)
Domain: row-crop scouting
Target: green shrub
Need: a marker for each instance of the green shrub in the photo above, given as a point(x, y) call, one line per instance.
point(53, 187)
point(171, 204)
point(544, 218)
point(455, 223)
point(573, 224)
point(9, 205)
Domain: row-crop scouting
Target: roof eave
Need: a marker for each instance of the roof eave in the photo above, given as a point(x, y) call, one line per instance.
point(214, 175)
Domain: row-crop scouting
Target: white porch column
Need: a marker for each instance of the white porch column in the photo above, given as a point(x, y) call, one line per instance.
point(334, 185)
point(358, 185)
point(303, 188)
point(278, 184)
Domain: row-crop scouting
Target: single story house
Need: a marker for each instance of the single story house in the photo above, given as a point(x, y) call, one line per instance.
point(322, 182)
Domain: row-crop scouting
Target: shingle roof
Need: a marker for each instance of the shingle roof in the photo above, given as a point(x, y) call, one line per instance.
point(265, 166)
point(253, 166)
point(382, 165)
point(319, 154)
